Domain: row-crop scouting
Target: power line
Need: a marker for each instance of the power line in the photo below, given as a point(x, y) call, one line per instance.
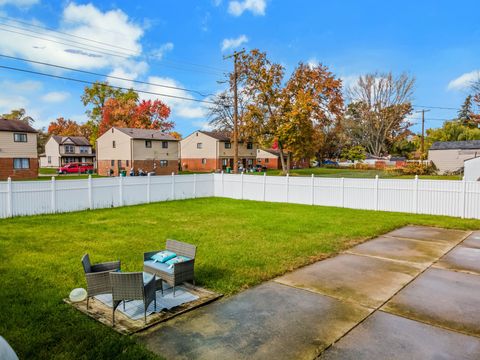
point(107, 76)
point(105, 52)
point(435, 107)
point(63, 33)
point(113, 86)
point(133, 52)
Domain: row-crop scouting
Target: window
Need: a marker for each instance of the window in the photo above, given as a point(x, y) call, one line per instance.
point(112, 163)
point(19, 164)
point(164, 144)
point(204, 161)
point(119, 163)
point(225, 162)
point(249, 145)
point(250, 161)
point(69, 149)
point(17, 137)
point(148, 143)
point(228, 145)
point(199, 145)
point(163, 163)
point(84, 149)
point(259, 161)
point(49, 159)
point(266, 161)
point(127, 163)
point(114, 145)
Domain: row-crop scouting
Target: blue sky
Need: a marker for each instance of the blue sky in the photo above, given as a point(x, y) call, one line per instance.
point(182, 43)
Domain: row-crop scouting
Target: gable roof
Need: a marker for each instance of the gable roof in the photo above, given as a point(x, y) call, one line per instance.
point(15, 125)
point(456, 145)
point(272, 151)
point(77, 140)
point(146, 134)
point(218, 135)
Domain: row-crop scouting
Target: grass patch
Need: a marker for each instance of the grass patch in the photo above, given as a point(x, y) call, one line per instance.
point(240, 244)
point(357, 173)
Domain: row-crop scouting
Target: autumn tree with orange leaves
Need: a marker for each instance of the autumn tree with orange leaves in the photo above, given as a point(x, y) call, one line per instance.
point(288, 113)
point(129, 113)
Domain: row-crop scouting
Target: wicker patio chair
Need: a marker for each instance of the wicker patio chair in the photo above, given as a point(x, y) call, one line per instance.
point(98, 281)
point(180, 272)
point(131, 286)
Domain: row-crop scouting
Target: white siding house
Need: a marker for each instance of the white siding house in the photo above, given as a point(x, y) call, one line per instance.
point(448, 156)
point(472, 169)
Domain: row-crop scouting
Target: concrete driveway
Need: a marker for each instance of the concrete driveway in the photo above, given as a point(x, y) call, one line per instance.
point(413, 293)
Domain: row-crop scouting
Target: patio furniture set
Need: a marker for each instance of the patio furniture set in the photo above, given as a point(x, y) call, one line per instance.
point(175, 265)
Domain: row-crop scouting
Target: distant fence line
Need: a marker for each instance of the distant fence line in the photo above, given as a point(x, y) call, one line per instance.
point(434, 197)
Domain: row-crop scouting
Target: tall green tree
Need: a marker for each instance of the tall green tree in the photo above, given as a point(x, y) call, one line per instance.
point(453, 130)
point(19, 114)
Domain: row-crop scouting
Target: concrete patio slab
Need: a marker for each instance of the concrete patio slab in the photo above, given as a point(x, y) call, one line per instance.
point(461, 259)
point(443, 298)
point(429, 233)
point(386, 336)
point(270, 321)
point(364, 280)
point(417, 251)
point(473, 240)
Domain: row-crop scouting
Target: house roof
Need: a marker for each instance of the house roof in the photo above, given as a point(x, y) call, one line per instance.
point(15, 125)
point(272, 151)
point(77, 140)
point(219, 135)
point(456, 145)
point(146, 134)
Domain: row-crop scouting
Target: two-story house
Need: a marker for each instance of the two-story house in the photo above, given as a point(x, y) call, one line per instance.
point(61, 150)
point(126, 148)
point(18, 150)
point(213, 151)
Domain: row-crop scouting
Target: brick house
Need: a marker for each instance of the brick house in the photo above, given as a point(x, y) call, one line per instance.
point(270, 159)
point(61, 150)
point(18, 150)
point(213, 151)
point(126, 148)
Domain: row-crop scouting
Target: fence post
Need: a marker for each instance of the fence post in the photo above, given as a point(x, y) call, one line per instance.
point(90, 193)
point(53, 200)
point(287, 185)
point(9, 198)
point(415, 194)
point(149, 183)
point(464, 198)
point(241, 186)
point(120, 190)
point(264, 185)
point(313, 189)
point(173, 185)
point(375, 196)
point(194, 186)
point(343, 191)
point(223, 189)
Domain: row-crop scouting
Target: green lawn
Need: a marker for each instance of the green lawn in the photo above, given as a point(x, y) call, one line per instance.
point(240, 244)
point(47, 171)
point(356, 173)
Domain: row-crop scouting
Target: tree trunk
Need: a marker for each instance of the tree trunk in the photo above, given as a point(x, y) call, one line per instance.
point(282, 159)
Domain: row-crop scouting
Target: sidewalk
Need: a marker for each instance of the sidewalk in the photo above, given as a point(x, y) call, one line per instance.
point(410, 294)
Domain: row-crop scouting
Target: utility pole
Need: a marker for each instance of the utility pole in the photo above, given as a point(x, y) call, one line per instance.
point(422, 146)
point(235, 108)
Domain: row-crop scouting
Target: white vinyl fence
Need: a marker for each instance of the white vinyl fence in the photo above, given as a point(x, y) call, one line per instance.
point(435, 197)
point(42, 197)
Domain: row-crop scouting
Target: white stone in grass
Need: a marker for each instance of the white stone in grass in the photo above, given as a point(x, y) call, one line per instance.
point(78, 294)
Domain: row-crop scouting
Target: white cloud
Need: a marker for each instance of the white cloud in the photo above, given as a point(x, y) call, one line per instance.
point(202, 125)
point(160, 52)
point(233, 43)
point(349, 80)
point(18, 96)
point(56, 96)
point(257, 7)
point(464, 81)
point(110, 27)
point(19, 3)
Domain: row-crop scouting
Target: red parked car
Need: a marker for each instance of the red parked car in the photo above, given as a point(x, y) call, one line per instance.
point(75, 168)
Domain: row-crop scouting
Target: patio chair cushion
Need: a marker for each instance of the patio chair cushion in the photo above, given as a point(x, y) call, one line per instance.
point(176, 260)
point(163, 256)
point(158, 266)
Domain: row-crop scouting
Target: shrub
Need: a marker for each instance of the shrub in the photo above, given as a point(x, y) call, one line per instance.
point(414, 168)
